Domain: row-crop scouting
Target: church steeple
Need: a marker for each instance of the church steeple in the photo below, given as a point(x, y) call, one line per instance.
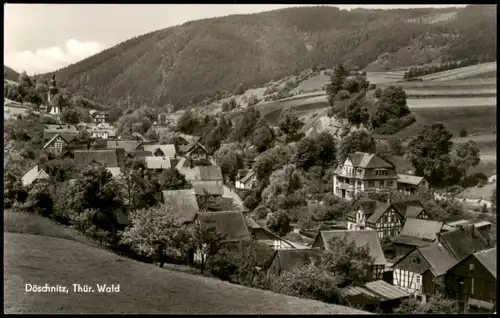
point(53, 90)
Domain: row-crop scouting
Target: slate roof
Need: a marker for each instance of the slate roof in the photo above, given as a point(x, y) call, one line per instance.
point(107, 157)
point(230, 223)
point(34, 174)
point(68, 132)
point(423, 229)
point(439, 258)
point(408, 209)
point(167, 150)
point(373, 209)
point(182, 203)
point(128, 145)
point(360, 238)
point(210, 173)
point(212, 187)
point(488, 259)
point(380, 209)
point(248, 176)
point(158, 162)
point(140, 154)
point(409, 240)
point(190, 148)
point(290, 258)
point(463, 241)
point(409, 179)
point(367, 160)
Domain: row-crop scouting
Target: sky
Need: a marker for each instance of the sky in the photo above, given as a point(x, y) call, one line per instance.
point(41, 38)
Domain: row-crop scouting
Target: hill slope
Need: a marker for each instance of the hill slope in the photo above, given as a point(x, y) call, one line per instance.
point(10, 74)
point(39, 260)
point(187, 63)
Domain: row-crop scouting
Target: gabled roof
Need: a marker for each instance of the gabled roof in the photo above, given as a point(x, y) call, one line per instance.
point(488, 259)
point(158, 162)
point(408, 209)
point(367, 160)
point(377, 291)
point(194, 146)
point(53, 139)
point(290, 258)
point(34, 174)
point(107, 157)
point(248, 176)
point(380, 209)
point(409, 179)
point(367, 205)
point(140, 154)
point(212, 187)
point(231, 224)
point(423, 229)
point(210, 173)
point(189, 138)
point(360, 238)
point(182, 203)
point(463, 241)
point(438, 257)
point(409, 240)
point(128, 145)
point(167, 150)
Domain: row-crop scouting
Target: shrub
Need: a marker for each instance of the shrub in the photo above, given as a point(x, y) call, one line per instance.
point(378, 92)
point(251, 202)
point(343, 95)
point(279, 222)
point(463, 132)
point(261, 212)
point(372, 87)
point(252, 100)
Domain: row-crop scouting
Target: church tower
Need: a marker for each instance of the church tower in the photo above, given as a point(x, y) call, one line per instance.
point(54, 109)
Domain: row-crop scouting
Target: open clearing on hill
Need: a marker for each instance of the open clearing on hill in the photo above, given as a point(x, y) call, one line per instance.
point(481, 70)
point(468, 102)
point(144, 288)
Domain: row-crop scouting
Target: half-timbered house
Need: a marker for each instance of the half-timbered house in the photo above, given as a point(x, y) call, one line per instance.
point(374, 215)
point(411, 209)
point(473, 281)
point(56, 145)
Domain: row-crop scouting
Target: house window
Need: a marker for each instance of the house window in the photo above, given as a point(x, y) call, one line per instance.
point(389, 183)
point(471, 267)
point(371, 184)
point(418, 279)
point(381, 183)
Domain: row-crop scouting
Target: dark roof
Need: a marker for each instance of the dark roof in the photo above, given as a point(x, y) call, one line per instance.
point(380, 209)
point(367, 160)
point(409, 240)
point(367, 205)
point(182, 203)
point(210, 173)
point(140, 154)
point(424, 229)
point(439, 258)
point(360, 238)
point(408, 209)
point(128, 145)
point(463, 241)
point(230, 223)
point(193, 146)
point(291, 258)
point(488, 259)
point(107, 157)
point(248, 176)
point(212, 187)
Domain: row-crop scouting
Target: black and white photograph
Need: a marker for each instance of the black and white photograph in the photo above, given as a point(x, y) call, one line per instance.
point(250, 159)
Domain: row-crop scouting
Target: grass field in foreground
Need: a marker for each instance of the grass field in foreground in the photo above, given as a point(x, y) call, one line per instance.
point(144, 288)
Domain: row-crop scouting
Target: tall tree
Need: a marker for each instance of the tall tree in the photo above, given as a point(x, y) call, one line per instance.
point(71, 116)
point(359, 140)
point(263, 137)
point(326, 149)
point(289, 124)
point(429, 152)
point(230, 160)
point(246, 124)
point(467, 156)
point(306, 153)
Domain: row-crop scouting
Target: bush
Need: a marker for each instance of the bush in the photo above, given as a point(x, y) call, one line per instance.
point(252, 100)
point(251, 202)
point(261, 212)
point(279, 222)
point(394, 125)
point(463, 132)
point(343, 95)
point(378, 92)
point(372, 87)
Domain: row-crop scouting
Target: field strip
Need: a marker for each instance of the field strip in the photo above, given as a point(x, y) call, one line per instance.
point(451, 102)
point(481, 82)
point(461, 72)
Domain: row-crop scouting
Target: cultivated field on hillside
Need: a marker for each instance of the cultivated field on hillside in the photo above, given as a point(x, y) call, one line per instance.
point(144, 288)
point(481, 70)
point(434, 102)
point(13, 111)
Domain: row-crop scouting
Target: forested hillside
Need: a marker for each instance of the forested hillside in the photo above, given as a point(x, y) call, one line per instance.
point(187, 63)
point(10, 74)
